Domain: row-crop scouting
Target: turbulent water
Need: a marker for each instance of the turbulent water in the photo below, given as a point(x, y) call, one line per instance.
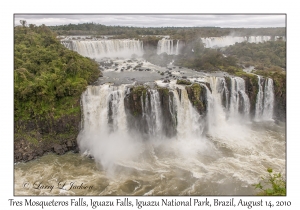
point(220, 153)
point(223, 41)
point(163, 146)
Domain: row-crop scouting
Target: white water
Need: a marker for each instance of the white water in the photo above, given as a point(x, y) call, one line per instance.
point(216, 112)
point(268, 100)
point(238, 97)
point(265, 100)
point(223, 41)
point(259, 100)
point(211, 154)
point(107, 142)
point(106, 48)
point(219, 146)
point(189, 120)
point(152, 113)
point(169, 46)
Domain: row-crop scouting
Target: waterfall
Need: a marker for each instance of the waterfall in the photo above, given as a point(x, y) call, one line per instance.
point(67, 44)
point(116, 105)
point(103, 109)
point(223, 41)
point(265, 100)
point(105, 48)
point(152, 112)
point(167, 46)
point(189, 120)
point(268, 100)
point(112, 115)
point(217, 105)
point(259, 100)
point(239, 100)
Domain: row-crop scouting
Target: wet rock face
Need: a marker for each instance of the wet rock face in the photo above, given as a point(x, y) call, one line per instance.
point(168, 123)
point(134, 108)
point(251, 89)
point(280, 100)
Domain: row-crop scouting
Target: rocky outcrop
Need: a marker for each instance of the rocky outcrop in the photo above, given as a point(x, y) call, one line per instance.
point(32, 138)
point(25, 150)
point(169, 123)
point(280, 97)
point(197, 96)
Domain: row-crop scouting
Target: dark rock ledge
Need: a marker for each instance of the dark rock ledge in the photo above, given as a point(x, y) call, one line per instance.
point(25, 151)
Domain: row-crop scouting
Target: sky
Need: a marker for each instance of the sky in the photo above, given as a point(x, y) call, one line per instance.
point(159, 20)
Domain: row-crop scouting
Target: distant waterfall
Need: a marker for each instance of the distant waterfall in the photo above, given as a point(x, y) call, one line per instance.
point(169, 46)
point(223, 41)
point(105, 48)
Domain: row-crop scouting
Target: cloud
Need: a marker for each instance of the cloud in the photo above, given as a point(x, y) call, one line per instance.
point(158, 20)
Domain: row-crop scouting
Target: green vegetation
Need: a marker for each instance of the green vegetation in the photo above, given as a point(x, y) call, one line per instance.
point(265, 55)
point(195, 93)
point(163, 91)
point(182, 33)
point(48, 78)
point(135, 103)
point(273, 184)
point(183, 82)
point(139, 90)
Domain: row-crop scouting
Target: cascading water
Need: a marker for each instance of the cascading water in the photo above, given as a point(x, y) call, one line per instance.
point(104, 134)
point(105, 48)
point(216, 109)
point(168, 46)
point(259, 100)
point(268, 100)
point(189, 120)
point(264, 100)
point(239, 100)
point(223, 41)
point(208, 153)
point(152, 113)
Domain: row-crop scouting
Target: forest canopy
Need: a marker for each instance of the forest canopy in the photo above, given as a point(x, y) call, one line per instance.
point(48, 78)
point(183, 33)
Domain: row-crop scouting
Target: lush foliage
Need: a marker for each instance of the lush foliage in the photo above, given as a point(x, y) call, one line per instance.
point(273, 184)
point(261, 55)
point(48, 78)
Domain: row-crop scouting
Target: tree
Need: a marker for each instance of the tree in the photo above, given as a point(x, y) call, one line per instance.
point(23, 23)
